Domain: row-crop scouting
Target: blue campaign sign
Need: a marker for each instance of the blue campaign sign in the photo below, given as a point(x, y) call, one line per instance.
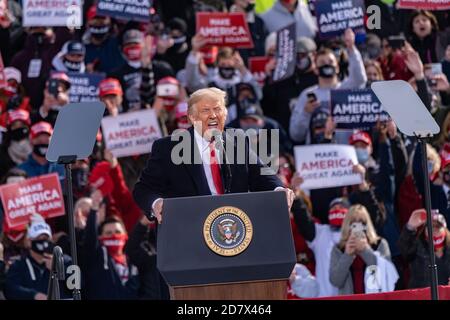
point(356, 109)
point(334, 16)
point(84, 86)
point(286, 53)
point(137, 10)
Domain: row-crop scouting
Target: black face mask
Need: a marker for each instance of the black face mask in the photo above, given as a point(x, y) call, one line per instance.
point(248, 102)
point(42, 246)
point(327, 71)
point(446, 177)
point(99, 32)
point(19, 134)
point(226, 72)
point(249, 7)
point(72, 66)
point(303, 64)
point(318, 138)
point(80, 178)
point(40, 150)
point(178, 43)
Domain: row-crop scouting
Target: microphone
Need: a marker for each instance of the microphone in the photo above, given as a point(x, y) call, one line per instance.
point(220, 144)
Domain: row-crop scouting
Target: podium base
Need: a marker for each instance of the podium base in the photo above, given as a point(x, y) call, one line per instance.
point(255, 290)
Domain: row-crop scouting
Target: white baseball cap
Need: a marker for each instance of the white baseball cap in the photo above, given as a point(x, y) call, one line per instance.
point(38, 227)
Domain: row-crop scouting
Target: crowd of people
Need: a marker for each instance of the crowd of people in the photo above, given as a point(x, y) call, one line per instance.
point(340, 233)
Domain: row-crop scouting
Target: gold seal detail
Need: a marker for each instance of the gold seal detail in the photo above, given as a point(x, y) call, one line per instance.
point(228, 231)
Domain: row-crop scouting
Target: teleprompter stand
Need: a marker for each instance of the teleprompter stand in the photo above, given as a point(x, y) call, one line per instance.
point(73, 139)
point(413, 119)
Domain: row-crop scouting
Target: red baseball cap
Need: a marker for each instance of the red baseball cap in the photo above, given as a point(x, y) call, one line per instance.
point(167, 87)
point(39, 128)
point(92, 13)
point(18, 115)
point(110, 86)
point(360, 136)
point(62, 77)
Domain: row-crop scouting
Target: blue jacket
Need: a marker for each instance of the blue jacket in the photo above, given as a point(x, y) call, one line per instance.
point(108, 55)
point(34, 169)
point(25, 278)
point(102, 280)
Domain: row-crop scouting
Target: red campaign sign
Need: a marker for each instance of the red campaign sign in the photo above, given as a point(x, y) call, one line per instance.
point(257, 66)
point(2, 73)
point(41, 195)
point(224, 29)
point(424, 4)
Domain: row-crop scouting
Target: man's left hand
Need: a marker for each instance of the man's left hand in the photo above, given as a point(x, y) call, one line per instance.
point(290, 195)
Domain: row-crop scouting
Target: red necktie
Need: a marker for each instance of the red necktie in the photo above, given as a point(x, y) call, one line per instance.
point(215, 169)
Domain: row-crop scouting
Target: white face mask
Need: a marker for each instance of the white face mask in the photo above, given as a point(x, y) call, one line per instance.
point(14, 180)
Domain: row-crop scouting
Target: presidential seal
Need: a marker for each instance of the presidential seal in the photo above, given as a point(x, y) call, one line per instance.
point(228, 231)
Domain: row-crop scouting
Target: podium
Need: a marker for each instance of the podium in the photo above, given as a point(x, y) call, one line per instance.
point(227, 247)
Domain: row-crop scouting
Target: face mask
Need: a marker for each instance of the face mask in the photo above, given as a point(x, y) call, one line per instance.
point(19, 150)
point(327, 71)
point(99, 32)
point(80, 178)
point(9, 91)
point(287, 174)
point(249, 7)
point(303, 64)
point(446, 177)
point(40, 150)
point(42, 246)
point(373, 52)
point(19, 134)
point(72, 66)
point(178, 43)
point(226, 72)
point(430, 167)
point(318, 138)
point(133, 52)
point(362, 155)
point(183, 124)
point(114, 244)
point(336, 217)
point(439, 240)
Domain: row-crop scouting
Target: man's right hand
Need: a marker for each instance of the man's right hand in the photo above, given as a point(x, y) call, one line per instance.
point(311, 105)
point(157, 209)
point(40, 296)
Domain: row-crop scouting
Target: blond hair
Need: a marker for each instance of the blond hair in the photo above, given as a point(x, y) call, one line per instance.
point(206, 93)
point(358, 212)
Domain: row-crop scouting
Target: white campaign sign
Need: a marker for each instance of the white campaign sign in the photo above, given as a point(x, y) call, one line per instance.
point(131, 133)
point(326, 165)
point(52, 13)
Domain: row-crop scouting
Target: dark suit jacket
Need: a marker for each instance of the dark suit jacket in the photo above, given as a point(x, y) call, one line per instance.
point(161, 178)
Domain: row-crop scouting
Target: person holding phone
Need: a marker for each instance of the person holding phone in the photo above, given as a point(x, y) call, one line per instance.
point(327, 69)
point(56, 96)
point(413, 244)
point(28, 278)
point(360, 249)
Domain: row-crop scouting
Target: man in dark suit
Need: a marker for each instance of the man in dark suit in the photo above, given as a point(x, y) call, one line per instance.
point(198, 165)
